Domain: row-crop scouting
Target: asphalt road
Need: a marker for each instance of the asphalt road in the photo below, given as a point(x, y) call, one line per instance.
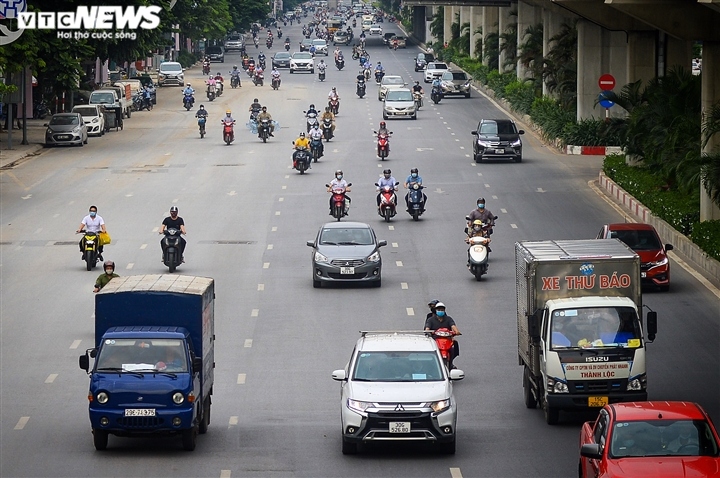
point(276, 409)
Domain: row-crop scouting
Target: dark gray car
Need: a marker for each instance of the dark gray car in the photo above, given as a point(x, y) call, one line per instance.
point(497, 139)
point(66, 128)
point(281, 59)
point(346, 252)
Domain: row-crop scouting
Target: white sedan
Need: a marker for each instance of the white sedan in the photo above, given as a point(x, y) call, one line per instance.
point(434, 70)
point(376, 30)
point(302, 61)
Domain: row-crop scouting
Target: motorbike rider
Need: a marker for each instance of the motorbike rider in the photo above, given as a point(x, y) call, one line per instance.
point(202, 113)
point(322, 66)
point(317, 134)
point(93, 223)
point(254, 109)
point(379, 68)
point(264, 115)
point(476, 231)
point(383, 129)
point(261, 58)
point(437, 84)
point(329, 115)
point(481, 214)
point(258, 72)
point(431, 306)
point(301, 143)
point(337, 53)
point(339, 182)
point(333, 95)
point(274, 73)
point(386, 179)
point(177, 222)
point(414, 178)
point(147, 96)
point(103, 279)
point(311, 111)
point(188, 91)
point(235, 74)
point(211, 84)
point(440, 320)
point(417, 88)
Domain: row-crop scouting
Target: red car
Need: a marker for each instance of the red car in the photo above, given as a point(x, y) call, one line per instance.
point(650, 439)
point(644, 240)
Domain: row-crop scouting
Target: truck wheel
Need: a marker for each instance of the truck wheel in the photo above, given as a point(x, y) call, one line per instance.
point(552, 415)
point(349, 448)
point(100, 439)
point(189, 439)
point(529, 398)
point(206, 417)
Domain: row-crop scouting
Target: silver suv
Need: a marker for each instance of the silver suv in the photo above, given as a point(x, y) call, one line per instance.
point(396, 388)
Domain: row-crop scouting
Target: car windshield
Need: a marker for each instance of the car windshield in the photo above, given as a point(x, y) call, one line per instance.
point(302, 56)
point(86, 111)
point(662, 438)
point(393, 80)
point(498, 128)
point(171, 67)
point(351, 236)
point(399, 96)
point(151, 355)
point(282, 55)
point(397, 367)
point(638, 240)
point(592, 328)
point(103, 98)
point(214, 49)
point(452, 75)
point(319, 42)
point(64, 120)
point(437, 66)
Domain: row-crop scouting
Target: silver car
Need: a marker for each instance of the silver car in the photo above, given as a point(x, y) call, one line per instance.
point(66, 128)
point(321, 47)
point(455, 83)
point(346, 252)
point(434, 70)
point(399, 103)
point(390, 82)
point(395, 388)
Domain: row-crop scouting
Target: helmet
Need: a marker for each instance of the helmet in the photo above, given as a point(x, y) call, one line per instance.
point(173, 209)
point(333, 86)
point(378, 62)
point(433, 303)
point(327, 109)
point(256, 100)
point(187, 84)
point(312, 106)
point(302, 134)
point(264, 108)
point(202, 107)
point(339, 171)
point(481, 200)
point(417, 82)
point(439, 304)
point(228, 112)
point(382, 124)
point(110, 264)
point(477, 222)
point(414, 170)
point(218, 74)
point(234, 67)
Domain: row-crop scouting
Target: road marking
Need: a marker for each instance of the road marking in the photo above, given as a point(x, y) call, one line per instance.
point(21, 423)
point(266, 265)
point(93, 315)
point(129, 195)
point(473, 164)
point(130, 265)
point(461, 147)
point(453, 134)
point(155, 229)
point(269, 247)
point(284, 187)
point(467, 156)
point(479, 174)
point(444, 122)
point(395, 244)
point(274, 229)
point(261, 286)
point(232, 193)
point(254, 312)
point(455, 473)
point(494, 197)
point(225, 473)
point(391, 228)
point(248, 343)
point(439, 191)
point(514, 226)
point(56, 215)
point(380, 165)
point(281, 199)
point(75, 344)
point(504, 211)
point(410, 311)
point(287, 176)
point(541, 190)
point(26, 197)
point(143, 246)
point(51, 378)
point(233, 421)
point(403, 285)
point(449, 127)
point(175, 200)
point(398, 263)
point(241, 378)
point(49, 243)
point(277, 213)
point(38, 230)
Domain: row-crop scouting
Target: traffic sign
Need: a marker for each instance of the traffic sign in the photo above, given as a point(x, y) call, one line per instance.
point(604, 99)
point(606, 82)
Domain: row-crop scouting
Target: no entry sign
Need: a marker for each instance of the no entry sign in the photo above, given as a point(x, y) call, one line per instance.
point(606, 82)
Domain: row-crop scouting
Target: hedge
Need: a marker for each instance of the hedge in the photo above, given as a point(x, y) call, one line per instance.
point(706, 234)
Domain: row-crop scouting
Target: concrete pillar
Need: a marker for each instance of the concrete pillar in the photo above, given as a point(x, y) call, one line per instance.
point(476, 22)
point(589, 68)
point(449, 13)
point(710, 96)
point(678, 53)
point(528, 15)
point(489, 25)
point(504, 19)
point(641, 56)
point(429, 15)
point(552, 23)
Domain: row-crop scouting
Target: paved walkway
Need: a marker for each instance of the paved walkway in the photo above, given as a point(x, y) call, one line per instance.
point(35, 138)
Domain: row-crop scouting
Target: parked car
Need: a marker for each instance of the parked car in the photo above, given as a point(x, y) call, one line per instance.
point(650, 439)
point(422, 59)
point(434, 70)
point(497, 139)
point(215, 53)
point(399, 102)
point(401, 41)
point(645, 241)
point(456, 83)
point(146, 80)
point(302, 61)
point(281, 59)
point(321, 47)
point(66, 128)
point(171, 73)
point(390, 82)
point(94, 118)
point(396, 388)
point(346, 252)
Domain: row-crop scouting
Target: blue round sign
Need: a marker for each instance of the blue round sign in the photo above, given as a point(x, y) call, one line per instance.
point(604, 100)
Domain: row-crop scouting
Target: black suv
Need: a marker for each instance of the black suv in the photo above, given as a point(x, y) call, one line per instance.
point(497, 139)
point(215, 53)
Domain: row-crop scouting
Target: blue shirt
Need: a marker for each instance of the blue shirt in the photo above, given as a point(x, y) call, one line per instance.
point(387, 182)
point(417, 179)
point(188, 91)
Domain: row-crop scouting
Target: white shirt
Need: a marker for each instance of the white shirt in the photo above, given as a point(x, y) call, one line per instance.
point(335, 184)
point(333, 94)
point(93, 224)
point(316, 133)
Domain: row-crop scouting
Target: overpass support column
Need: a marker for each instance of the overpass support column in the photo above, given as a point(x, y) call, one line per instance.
point(448, 18)
point(589, 67)
point(641, 56)
point(419, 23)
point(476, 22)
point(489, 25)
point(678, 53)
point(504, 20)
point(551, 26)
point(710, 96)
point(528, 15)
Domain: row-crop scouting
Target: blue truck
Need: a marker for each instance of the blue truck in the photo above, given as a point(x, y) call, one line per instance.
point(154, 358)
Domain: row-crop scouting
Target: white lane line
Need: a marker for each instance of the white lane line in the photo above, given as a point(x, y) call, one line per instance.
point(391, 228)
point(410, 311)
point(514, 226)
point(449, 127)
point(504, 211)
point(233, 421)
point(175, 200)
point(38, 230)
point(155, 229)
point(395, 244)
point(287, 176)
point(541, 190)
point(444, 122)
point(284, 187)
point(494, 197)
point(453, 134)
point(225, 473)
point(380, 165)
point(56, 214)
point(254, 312)
point(266, 265)
point(261, 286)
point(129, 195)
point(487, 185)
point(248, 343)
point(277, 213)
point(143, 246)
point(455, 473)
point(75, 344)
point(479, 174)
point(403, 285)
point(130, 265)
point(232, 193)
point(241, 378)
point(281, 199)
point(49, 243)
point(21, 423)
point(274, 229)
point(269, 247)
point(398, 263)
point(467, 156)
point(51, 378)
point(461, 147)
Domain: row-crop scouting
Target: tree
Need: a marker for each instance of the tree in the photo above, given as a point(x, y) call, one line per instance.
point(560, 66)
point(245, 12)
point(508, 43)
point(437, 26)
point(491, 50)
point(531, 54)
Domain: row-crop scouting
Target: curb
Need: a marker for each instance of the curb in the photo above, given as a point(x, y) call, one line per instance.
point(31, 151)
point(593, 150)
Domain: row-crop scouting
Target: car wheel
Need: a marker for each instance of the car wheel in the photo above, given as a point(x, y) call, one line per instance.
point(414, 117)
point(85, 142)
point(100, 439)
point(291, 71)
point(385, 117)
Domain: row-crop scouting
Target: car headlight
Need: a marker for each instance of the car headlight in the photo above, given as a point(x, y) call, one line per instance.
point(96, 120)
point(440, 406)
point(178, 398)
point(358, 406)
point(484, 144)
point(320, 258)
point(516, 144)
point(103, 397)
point(161, 75)
point(49, 131)
point(555, 385)
point(76, 129)
point(658, 263)
point(374, 257)
point(637, 383)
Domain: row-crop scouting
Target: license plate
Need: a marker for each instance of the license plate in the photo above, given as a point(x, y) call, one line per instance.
point(643, 275)
point(399, 427)
point(499, 151)
point(64, 136)
point(139, 412)
point(347, 270)
point(597, 401)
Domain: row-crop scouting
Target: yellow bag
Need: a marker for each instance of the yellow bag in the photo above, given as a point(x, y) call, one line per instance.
point(104, 238)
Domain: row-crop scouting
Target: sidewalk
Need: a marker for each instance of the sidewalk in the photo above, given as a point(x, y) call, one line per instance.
point(35, 138)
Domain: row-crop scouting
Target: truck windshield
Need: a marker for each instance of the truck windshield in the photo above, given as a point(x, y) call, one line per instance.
point(142, 355)
point(594, 327)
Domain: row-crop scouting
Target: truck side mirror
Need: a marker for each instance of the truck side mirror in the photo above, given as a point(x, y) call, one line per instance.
point(197, 364)
point(84, 362)
point(534, 326)
point(651, 325)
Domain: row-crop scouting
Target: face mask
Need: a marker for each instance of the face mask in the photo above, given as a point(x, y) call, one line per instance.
point(440, 313)
point(93, 213)
point(109, 272)
point(481, 206)
point(414, 175)
point(387, 176)
point(339, 176)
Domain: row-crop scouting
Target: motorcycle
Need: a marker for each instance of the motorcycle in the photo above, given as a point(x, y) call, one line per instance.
point(287, 46)
point(258, 79)
point(311, 120)
point(188, 101)
point(228, 132)
point(436, 94)
point(218, 88)
point(387, 202)
point(262, 63)
point(415, 202)
point(321, 74)
point(279, 34)
point(301, 161)
point(201, 125)
point(264, 130)
point(251, 69)
point(171, 249)
point(478, 255)
point(276, 83)
point(444, 340)
point(210, 93)
point(40, 110)
point(360, 89)
point(315, 149)
point(366, 72)
point(234, 81)
point(334, 105)
point(418, 99)
point(379, 76)
point(91, 242)
point(383, 144)
point(340, 204)
point(327, 129)
point(269, 43)
point(206, 68)
point(340, 64)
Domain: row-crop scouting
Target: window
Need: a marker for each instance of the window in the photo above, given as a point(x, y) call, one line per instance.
point(488, 128)
point(600, 431)
point(64, 120)
point(152, 355)
point(346, 237)
point(506, 127)
point(397, 367)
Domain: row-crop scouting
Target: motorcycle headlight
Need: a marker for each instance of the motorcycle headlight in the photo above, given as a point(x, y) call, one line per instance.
point(374, 257)
point(555, 385)
point(637, 383)
point(320, 258)
point(440, 406)
point(358, 406)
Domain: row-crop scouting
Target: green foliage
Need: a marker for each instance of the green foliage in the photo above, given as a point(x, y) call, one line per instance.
point(491, 50)
point(474, 68)
point(531, 54)
point(520, 95)
point(187, 59)
point(549, 114)
point(706, 235)
point(245, 12)
point(478, 42)
point(560, 66)
point(437, 26)
point(497, 81)
point(589, 132)
point(509, 44)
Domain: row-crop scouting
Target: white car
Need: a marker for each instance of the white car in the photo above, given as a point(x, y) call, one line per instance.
point(321, 47)
point(434, 70)
point(302, 61)
point(395, 387)
point(366, 24)
point(376, 30)
point(93, 117)
point(400, 103)
point(390, 82)
point(171, 72)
